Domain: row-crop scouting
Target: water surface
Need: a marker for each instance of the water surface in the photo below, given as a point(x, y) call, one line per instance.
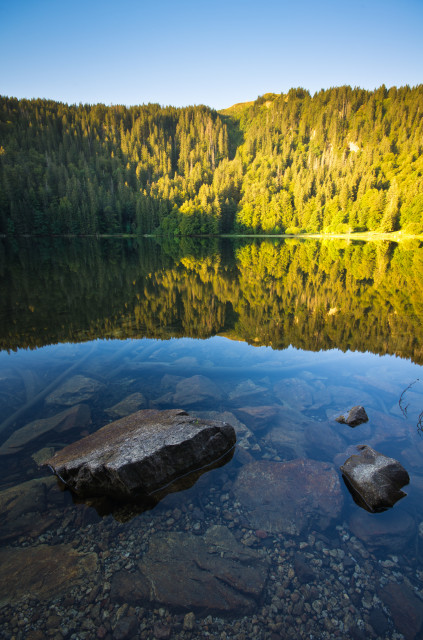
point(277, 338)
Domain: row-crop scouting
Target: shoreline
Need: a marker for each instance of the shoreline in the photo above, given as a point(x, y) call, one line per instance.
point(367, 236)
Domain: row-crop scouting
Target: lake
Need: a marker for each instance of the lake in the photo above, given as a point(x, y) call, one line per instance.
point(278, 338)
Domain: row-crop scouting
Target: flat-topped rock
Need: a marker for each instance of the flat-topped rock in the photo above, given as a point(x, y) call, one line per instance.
point(141, 453)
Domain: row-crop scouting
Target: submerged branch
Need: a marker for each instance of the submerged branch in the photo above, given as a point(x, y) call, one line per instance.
point(402, 397)
point(404, 409)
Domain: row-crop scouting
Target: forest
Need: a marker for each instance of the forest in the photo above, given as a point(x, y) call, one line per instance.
point(339, 161)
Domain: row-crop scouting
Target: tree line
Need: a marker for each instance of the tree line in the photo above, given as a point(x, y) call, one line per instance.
point(340, 161)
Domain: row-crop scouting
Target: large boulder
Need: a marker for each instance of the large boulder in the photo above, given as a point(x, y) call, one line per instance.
point(374, 480)
point(141, 454)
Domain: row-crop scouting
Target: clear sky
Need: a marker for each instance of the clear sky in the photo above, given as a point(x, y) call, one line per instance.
point(194, 52)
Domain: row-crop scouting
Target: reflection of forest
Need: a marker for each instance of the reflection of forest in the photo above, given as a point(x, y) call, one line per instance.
point(310, 294)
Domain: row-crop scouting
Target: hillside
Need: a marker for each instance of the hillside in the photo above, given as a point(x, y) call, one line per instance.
point(342, 160)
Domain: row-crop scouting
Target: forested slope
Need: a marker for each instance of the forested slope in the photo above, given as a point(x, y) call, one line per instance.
point(341, 160)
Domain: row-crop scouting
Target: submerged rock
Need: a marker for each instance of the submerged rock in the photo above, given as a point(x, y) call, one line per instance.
point(42, 455)
point(389, 530)
point(356, 416)
point(323, 441)
point(247, 388)
point(126, 628)
point(213, 572)
point(405, 607)
point(294, 392)
point(281, 497)
point(78, 416)
point(129, 405)
point(47, 571)
point(141, 454)
point(285, 427)
point(24, 509)
point(259, 417)
point(374, 480)
point(74, 391)
point(190, 391)
point(336, 397)
point(242, 432)
point(387, 428)
point(226, 416)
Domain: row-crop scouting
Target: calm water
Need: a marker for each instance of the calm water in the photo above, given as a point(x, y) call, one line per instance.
point(277, 338)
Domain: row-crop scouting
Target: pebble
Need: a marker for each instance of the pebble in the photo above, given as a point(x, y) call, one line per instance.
point(189, 621)
point(261, 534)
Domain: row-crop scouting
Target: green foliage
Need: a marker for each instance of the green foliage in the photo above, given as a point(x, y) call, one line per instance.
point(343, 159)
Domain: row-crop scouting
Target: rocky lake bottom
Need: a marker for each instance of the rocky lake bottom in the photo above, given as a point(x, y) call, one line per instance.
point(271, 545)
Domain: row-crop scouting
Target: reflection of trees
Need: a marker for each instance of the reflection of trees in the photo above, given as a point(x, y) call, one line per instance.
point(310, 294)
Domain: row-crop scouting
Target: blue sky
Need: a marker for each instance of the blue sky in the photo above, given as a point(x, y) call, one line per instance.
point(215, 53)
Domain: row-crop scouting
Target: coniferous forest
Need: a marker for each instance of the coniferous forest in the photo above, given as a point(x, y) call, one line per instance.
point(340, 161)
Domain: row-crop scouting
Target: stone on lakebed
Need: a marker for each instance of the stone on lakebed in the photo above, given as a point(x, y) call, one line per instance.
point(141, 454)
point(374, 480)
point(213, 572)
point(284, 497)
point(43, 572)
point(356, 416)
